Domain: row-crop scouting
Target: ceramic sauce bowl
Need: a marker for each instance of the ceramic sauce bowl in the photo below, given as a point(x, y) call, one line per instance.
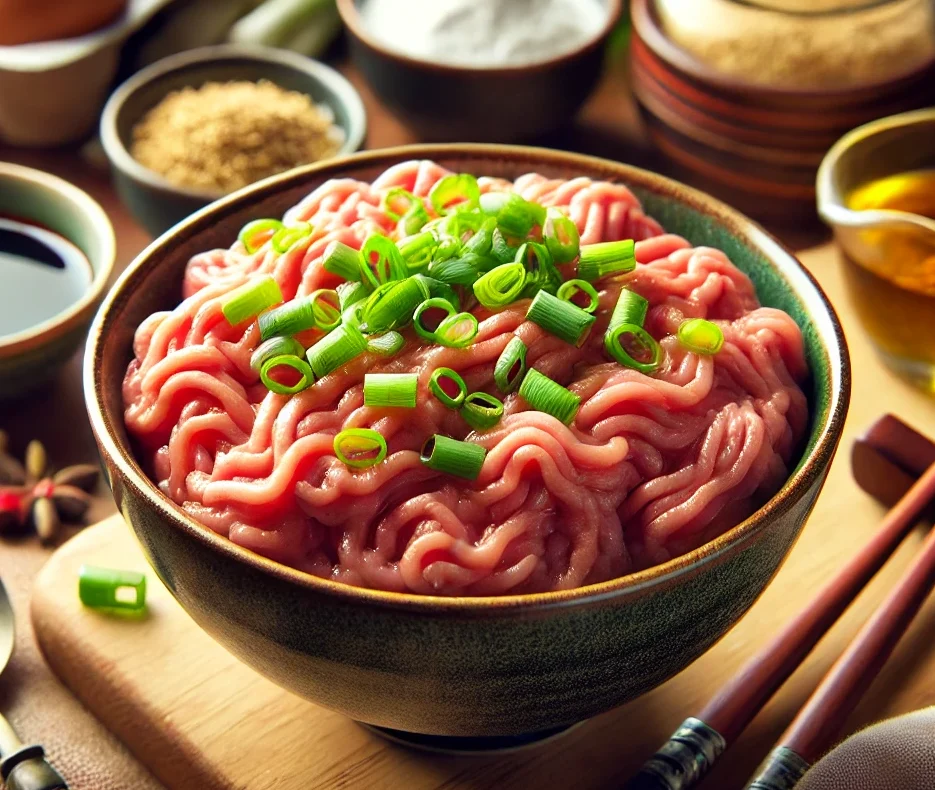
point(30, 357)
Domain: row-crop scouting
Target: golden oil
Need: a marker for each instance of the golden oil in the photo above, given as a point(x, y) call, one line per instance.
point(893, 285)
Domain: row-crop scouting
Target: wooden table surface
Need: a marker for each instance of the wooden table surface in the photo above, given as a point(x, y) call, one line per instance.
point(92, 759)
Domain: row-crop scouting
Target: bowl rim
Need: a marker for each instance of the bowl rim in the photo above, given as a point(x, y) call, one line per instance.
point(350, 15)
point(32, 337)
point(120, 156)
point(831, 203)
point(647, 25)
point(808, 472)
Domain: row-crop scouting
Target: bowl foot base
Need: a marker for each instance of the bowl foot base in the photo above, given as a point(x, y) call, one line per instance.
point(468, 744)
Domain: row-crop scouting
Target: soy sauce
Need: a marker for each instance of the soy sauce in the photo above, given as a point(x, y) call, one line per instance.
point(41, 275)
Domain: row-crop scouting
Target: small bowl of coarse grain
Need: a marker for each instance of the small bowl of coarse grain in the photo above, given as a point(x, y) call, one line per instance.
point(199, 125)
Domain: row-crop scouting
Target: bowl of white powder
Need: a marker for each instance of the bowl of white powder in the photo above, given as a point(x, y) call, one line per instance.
point(496, 70)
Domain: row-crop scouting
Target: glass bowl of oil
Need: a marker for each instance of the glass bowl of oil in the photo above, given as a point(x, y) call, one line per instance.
point(876, 189)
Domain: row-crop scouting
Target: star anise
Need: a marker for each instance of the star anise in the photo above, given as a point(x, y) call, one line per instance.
point(31, 496)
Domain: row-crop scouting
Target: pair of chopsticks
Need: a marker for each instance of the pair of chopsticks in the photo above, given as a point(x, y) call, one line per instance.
point(897, 465)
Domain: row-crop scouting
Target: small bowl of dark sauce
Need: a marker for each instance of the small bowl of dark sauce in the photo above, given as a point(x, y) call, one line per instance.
point(56, 255)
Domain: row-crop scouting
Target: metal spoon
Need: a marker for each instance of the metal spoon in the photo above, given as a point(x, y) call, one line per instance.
point(23, 767)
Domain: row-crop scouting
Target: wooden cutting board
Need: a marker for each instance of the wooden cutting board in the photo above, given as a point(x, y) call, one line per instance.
point(200, 720)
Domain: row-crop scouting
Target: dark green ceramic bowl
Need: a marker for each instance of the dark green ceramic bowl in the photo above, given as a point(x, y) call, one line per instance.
point(466, 666)
point(155, 202)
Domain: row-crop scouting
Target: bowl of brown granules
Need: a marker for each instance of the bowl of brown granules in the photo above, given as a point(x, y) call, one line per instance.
point(202, 124)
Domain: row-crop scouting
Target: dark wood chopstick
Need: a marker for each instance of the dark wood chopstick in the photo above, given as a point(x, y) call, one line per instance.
point(816, 727)
point(698, 743)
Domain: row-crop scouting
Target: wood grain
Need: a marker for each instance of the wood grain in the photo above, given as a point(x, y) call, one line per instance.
point(738, 701)
point(814, 730)
point(199, 719)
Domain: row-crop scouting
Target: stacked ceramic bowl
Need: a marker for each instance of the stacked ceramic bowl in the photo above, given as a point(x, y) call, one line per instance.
point(755, 146)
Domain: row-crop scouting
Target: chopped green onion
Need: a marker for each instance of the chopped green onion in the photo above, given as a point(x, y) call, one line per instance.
point(319, 310)
point(493, 202)
point(516, 217)
point(440, 289)
point(566, 321)
point(607, 258)
point(548, 396)
point(511, 366)
point(631, 308)
point(417, 250)
point(700, 336)
point(560, 235)
point(536, 257)
point(359, 448)
point(464, 224)
point(108, 588)
point(570, 289)
point(392, 304)
point(342, 260)
point(643, 341)
point(448, 387)
point(457, 331)
point(337, 348)
point(501, 285)
point(398, 202)
point(380, 261)
point(430, 304)
point(538, 262)
point(251, 233)
point(456, 224)
point(387, 344)
point(454, 271)
point(501, 248)
point(448, 247)
point(391, 389)
point(350, 293)
point(461, 459)
point(455, 193)
point(285, 237)
point(251, 299)
point(480, 263)
point(326, 308)
point(299, 365)
point(353, 315)
point(275, 347)
point(481, 411)
point(288, 319)
point(414, 220)
point(482, 240)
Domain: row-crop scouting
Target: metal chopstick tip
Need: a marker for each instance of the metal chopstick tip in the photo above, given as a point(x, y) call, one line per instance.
point(681, 762)
point(781, 771)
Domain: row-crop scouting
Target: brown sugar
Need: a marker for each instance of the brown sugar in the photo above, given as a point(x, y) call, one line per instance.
point(223, 136)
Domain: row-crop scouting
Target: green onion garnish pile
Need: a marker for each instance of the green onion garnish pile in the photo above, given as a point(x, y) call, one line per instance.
point(457, 250)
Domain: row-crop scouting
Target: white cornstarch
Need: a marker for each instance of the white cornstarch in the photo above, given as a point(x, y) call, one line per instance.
point(483, 33)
